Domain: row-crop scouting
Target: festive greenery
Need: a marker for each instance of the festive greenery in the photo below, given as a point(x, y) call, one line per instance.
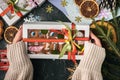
point(111, 69)
point(105, 37)
point(15, 6)
point(70, 45)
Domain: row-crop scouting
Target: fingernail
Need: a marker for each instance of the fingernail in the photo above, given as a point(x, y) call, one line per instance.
point(20, 27)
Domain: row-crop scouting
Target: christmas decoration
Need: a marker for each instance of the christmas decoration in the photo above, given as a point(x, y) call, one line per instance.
point(51, 38)
point(32, 18)
point(64, 3)
point(10, 33)
point(13, 10)
point(109, 4)
point(4, 64)
point(58, 5)
point(33, 3)
point(78, 2)
point(104, 13)
point(73, 10)
point(1, 29)
point(49, 9)
point(117, 3)
point(107, 33)
point(89, 8)
point(70, 46)
point(78, 19)
point(109, 28)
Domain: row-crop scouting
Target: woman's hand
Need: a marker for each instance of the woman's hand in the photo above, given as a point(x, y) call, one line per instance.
point(95, 40)
point(18, 36)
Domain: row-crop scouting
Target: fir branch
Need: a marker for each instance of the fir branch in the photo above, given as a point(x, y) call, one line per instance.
point(116, 24)
point(117, 3)
point(107, 39)
point(17, 8)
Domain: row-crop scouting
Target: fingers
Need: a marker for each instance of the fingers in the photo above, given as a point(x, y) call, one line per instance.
point(95, 40)
point(18, 35)
point(21, 27)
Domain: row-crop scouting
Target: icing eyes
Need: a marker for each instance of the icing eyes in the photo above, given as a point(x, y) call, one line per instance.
point(32, 33)
point(40, 33)
point(52, 34)
point(80, 34)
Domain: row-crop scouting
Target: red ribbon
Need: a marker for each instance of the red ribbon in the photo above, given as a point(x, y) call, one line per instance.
point(11, 9)
point(19, 14)
point(74, 49)
point(51, 40)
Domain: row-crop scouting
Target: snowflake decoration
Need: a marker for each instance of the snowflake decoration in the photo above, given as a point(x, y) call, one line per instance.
point(32, 18)
point(104, 13)
point(64, 3)
point(78, 19)
point(49, 9)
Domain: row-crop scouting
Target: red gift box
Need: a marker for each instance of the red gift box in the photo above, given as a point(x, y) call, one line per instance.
point(4, 64)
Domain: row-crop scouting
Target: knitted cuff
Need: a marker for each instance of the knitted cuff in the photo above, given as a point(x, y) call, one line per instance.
point(20, 65)
point(93, 57)
point(17, 55)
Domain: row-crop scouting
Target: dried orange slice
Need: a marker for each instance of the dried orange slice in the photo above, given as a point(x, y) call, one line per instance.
point(10, 33)
point(89, 8)
point(78, 2)
point(1, 29)
point(1, 23)
point(108, 26)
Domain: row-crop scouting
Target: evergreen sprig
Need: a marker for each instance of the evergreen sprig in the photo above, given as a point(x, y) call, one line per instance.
point(15, 6)
point(105, 37)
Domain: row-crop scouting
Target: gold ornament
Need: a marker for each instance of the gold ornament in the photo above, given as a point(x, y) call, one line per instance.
point(78, 19)
point(64, 3)
point(49, 9)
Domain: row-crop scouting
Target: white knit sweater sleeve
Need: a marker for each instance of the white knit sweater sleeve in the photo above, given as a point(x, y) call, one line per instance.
point(90, 65)
point(20, 65)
